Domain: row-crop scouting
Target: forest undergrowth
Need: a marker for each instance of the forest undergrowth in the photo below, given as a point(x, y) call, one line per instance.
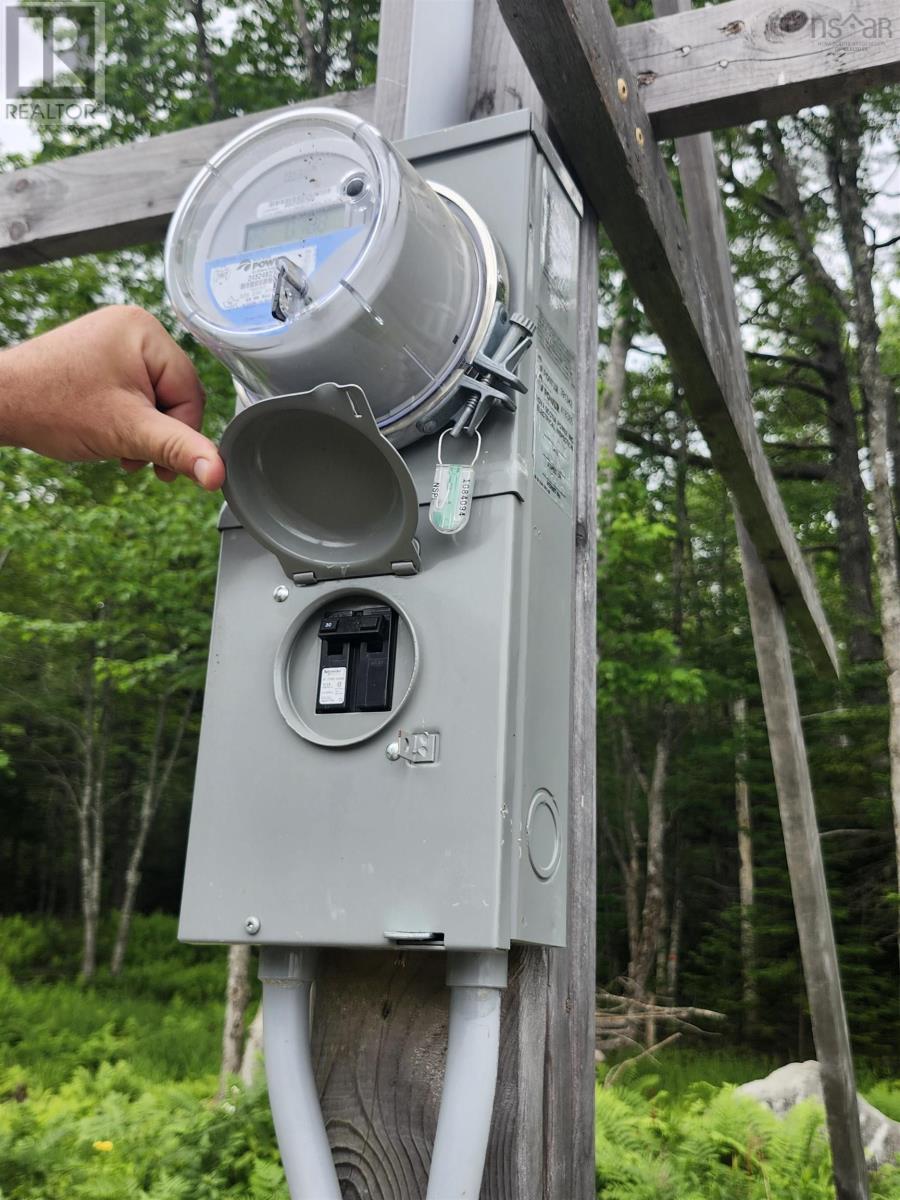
point(107, 1092)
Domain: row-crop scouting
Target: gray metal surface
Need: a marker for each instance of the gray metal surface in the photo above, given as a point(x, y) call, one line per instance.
point(313, 480)
point(339, 846)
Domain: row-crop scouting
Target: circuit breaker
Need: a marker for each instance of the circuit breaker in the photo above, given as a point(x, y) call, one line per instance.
point(384, 752)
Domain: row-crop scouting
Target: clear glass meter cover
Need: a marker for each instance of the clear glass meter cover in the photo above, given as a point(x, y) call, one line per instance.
point(389, 285)
point(306, 191)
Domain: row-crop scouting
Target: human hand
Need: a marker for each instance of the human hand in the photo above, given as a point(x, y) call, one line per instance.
point(111, 384)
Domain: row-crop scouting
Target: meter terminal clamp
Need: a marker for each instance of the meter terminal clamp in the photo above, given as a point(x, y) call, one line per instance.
point(384, 748)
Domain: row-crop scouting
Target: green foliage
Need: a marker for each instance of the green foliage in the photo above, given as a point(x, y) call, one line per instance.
point(703, 1141)
point(106, 1091)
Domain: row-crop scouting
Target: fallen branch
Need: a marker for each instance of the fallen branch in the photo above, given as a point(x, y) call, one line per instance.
point(614, 1074)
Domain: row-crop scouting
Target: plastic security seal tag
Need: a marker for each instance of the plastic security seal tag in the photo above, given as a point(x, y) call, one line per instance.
point(451, 493)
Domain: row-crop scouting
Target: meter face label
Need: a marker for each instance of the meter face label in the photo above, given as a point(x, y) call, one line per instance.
point(333, 686)
point(241, 285)
point(248, 281)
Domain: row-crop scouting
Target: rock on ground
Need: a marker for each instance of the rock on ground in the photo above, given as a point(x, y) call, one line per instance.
point(787, 1086)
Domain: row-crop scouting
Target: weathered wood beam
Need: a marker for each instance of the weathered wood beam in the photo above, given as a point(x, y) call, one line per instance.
point(722, 65)
point(730, 64)
point(797, 809)
point(123, 196)
point(395, 33)
point(571, 49)
point(821, 969)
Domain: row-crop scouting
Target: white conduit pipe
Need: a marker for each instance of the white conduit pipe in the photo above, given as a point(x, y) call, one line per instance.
point(476, 981)
point(287, 976)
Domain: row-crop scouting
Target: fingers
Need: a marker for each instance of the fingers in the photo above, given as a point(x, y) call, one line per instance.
point(175, 383)
point(175, 448)
point(171, 434)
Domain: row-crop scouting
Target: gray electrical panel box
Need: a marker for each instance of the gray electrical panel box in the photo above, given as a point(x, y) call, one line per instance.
point(384, 755)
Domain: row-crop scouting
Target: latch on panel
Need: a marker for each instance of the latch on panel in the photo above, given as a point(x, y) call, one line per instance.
point(414, 747)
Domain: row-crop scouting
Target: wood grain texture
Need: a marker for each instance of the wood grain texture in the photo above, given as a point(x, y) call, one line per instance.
point(571, 49)
point(797, 809)
point(395, 32)
point(499, 81)
point(379, 1047)
point(733, 63)
point(122, 196)
point(706, 223)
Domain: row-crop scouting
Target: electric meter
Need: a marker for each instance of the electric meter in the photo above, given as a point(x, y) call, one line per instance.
point(308, 250)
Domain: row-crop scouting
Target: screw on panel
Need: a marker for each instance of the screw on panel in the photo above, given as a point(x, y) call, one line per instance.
point(280, 594)
point(623, 89)
point(251, 925)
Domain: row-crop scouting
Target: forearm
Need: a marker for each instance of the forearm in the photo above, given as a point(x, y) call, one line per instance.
point(10, 403)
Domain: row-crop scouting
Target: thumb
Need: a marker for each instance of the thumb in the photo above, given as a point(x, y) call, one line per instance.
point(177, 447)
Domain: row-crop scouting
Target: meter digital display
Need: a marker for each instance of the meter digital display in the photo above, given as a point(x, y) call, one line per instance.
point(296, 227)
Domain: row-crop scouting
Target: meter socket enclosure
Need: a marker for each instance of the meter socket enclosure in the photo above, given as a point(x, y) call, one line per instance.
point(384, 750)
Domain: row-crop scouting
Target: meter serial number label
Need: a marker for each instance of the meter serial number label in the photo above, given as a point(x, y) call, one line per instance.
point(245, 282)
point(333, 685)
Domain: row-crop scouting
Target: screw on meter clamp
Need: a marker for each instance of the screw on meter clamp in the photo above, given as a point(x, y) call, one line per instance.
point(356, 661)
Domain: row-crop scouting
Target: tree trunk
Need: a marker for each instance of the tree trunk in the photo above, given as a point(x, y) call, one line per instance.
point(854, 541)
point(206, 62)
point(673, 961)
point(154, 790)
point(612, 393)
point(253, 1050)
point(854, 544)
point(316, 56)
point(237, 997)
point(89, 808)
point(745, 859)
point(88, 909)
point(651, 915)
point(845, 172)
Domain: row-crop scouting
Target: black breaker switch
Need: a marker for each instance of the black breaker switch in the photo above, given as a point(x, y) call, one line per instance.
point(356, 664)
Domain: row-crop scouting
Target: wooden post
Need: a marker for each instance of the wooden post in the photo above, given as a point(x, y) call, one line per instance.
point(380, 1029)
point(706, 223)
point(796, 806)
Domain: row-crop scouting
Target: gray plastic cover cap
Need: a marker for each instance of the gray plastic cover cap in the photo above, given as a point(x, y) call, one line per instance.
point(310, 476)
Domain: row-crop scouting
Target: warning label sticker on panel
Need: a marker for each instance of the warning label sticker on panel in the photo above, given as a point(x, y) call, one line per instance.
point(554, 432)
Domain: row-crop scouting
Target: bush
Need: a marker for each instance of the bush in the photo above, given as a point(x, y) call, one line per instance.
point(709, 1143)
